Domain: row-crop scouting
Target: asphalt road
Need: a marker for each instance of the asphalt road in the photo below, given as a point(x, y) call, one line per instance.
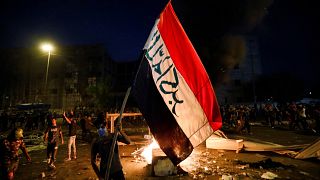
point(203, 163)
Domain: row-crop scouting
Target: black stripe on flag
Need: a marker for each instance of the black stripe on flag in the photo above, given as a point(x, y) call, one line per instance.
point(171, 139)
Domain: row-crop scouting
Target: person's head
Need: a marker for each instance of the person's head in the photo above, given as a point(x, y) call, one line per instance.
point(19, 133)
point(53, 122)
point(71, 114)
point(54, 115)
point(103, 125)
point(16, 133)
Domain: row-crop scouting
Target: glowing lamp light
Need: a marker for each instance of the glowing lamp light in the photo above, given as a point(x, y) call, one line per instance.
point(47, 47)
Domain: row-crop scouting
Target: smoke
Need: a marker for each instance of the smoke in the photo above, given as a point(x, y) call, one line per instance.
point(217, 29)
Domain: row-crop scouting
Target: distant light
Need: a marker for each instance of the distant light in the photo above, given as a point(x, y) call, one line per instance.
point(310, 93)
point(47, 47)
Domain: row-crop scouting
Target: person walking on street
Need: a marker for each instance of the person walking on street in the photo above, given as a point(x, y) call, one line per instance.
point(52, 135)
point(101, 147)
point(9, 153)
point(72, 125)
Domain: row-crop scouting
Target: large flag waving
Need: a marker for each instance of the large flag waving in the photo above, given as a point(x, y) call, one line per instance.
point(173, 90)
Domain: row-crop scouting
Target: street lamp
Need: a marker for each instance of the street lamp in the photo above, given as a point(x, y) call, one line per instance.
point(47, 48)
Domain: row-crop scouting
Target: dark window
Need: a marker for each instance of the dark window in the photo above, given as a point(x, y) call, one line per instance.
point(68, 74)
point(92, 81)
point(237, 82)
point(68, 91)
point(53, 91)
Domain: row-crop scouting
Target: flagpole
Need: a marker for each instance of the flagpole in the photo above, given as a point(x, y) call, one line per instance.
point(118, 122)
point(141, 60)
point(116, 133)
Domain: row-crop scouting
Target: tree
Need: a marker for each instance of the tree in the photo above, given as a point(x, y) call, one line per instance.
point(98, 95)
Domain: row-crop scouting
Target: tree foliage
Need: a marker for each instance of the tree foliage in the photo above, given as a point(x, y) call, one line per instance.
point(98, 95)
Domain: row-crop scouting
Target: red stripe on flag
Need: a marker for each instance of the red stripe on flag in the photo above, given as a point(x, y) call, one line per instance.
point(189, 64)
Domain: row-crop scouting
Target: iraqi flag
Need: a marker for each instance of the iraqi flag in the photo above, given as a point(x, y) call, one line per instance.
point(173, 90)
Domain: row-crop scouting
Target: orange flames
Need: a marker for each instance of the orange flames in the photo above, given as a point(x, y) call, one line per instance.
point(146, 153)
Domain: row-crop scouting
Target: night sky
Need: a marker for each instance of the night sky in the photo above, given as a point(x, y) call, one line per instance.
point(287, 29)
point(289, 39)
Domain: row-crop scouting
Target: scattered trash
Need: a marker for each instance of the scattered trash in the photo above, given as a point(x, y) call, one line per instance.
point(226, 177)
point(313, 150)
point(304, 173)
point(243, 166)
point(43, 175)
point(269, 175)
point(264, 164)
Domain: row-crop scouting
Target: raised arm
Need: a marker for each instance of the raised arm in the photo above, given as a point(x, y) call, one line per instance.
point(67, 119)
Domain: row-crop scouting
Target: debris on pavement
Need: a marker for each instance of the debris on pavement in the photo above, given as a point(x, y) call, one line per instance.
point(269, 175)
point(313, 150)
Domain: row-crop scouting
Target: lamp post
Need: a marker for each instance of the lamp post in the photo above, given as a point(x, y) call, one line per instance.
point(47, 48)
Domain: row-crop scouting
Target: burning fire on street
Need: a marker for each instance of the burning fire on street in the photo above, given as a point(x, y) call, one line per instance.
point(201, 164)
point(145, 153)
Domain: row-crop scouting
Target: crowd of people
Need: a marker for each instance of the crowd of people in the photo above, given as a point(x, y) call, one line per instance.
point(238, 118)
point(29, 120)
point(292, 116)
point(53, 136)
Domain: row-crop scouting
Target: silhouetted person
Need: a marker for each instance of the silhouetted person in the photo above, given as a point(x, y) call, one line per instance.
point(101, 147)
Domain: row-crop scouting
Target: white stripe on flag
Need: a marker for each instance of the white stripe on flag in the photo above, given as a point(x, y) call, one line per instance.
point(175, 92)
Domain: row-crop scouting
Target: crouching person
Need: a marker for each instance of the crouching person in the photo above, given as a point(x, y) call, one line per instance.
point(9, 153)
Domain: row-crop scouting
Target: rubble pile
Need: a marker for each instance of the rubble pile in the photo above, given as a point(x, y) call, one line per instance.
point(203, 165)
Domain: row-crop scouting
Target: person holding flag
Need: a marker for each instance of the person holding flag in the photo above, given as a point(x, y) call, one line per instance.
point(173, 92)
point(102, 147)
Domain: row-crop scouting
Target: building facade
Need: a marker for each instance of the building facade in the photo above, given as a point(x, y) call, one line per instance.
point(74, 71)
point(71, 70)
point(241, 87)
